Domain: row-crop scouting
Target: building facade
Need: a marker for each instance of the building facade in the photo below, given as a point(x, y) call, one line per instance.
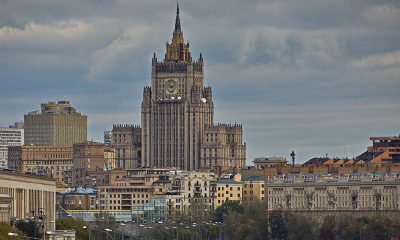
point(90, 161)
point(32, 196)
point(334, 192)
point(56, 124)
point(228, 190)
point(77, 199)
point(51, 161)
point(177, 109)
point(191, 193)
point(126, 139)
point(11, 136)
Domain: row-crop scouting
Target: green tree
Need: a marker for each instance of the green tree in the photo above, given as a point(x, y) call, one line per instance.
point(277, 224)
point(299, 227)
point(233, 206)
point(5, 228)
point(70, 223)
point(30, 227)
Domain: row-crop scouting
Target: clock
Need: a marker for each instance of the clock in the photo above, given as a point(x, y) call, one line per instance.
point(171, 85)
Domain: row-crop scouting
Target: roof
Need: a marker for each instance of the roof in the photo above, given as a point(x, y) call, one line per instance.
point(253, 178)
point(80, 191)
point(227, 181)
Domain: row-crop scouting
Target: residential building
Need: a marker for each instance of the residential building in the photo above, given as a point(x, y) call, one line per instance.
point(56, 124)
point(90, 161)
point(11, 136)
point(126, 139)
point(334, 192)
point(131, 188)
point(253, 189)
point(178, 110)
point(43, 160)
point(32, 196)
point(228, 189)
point(191, 193)
point(77, 199)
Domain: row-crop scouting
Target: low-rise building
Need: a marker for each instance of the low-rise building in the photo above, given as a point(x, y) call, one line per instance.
point(328, 192)
point(77, 199)
point(51, 161)
point(32, 196)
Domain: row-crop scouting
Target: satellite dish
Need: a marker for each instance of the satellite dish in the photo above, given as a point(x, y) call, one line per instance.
point(204, 100)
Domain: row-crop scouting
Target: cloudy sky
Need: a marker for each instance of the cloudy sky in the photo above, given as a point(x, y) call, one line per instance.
point(313, 76)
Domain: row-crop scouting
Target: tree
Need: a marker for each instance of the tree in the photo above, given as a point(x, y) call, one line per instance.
point(326, 230)
point(299, 227)
point(30, 227)
point(5, 228)
point(233, 206)
point(70, 223)
point(278, 228)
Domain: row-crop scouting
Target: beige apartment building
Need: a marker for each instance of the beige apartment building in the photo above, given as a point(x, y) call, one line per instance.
point(43, 160)
point(131, 188)
point(191, 193)
point(178, 111)
point(228, 190)
point(56, 124)
point(334, 192)
point(126, 139)
point(253, 189)
point(30, 195)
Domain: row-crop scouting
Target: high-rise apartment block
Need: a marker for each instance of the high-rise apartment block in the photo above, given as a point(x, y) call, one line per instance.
point(11, 136)
point(56, 124)
point(178, 115)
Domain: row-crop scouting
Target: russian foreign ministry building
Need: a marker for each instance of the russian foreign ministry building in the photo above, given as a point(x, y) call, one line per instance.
point(178, 128)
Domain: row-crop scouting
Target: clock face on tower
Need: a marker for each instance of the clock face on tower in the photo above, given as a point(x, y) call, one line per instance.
point(170, 86)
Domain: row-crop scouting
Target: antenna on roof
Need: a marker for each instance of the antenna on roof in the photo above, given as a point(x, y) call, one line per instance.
point(293, 157)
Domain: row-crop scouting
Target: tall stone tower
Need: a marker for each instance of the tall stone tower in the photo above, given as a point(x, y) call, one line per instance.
point(176, 109)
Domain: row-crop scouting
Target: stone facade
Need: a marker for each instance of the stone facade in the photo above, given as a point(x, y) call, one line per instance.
point(90, 161)
point(191, 193)
point(56, 124)
point(31, 196)
point(332, 192)
point(126, 139)
point(43, 160)
point(178, 109)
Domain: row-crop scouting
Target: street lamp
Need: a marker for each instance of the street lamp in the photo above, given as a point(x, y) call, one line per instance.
point(11, 234)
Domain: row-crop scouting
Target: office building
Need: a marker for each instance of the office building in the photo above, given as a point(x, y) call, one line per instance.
point(56, 124)
point(126, 139)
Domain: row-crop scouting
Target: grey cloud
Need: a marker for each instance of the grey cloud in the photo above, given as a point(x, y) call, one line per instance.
point(314, 76)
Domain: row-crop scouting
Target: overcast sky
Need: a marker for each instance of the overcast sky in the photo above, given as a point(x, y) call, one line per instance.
point(313, 76)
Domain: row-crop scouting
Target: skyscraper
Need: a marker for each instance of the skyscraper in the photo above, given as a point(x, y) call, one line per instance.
point(178, 110)
point(56, 124)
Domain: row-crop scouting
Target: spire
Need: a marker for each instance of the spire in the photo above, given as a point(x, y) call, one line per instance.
point(177, 20)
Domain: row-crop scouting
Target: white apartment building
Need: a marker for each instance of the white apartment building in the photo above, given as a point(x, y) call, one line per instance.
point(11, 136)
